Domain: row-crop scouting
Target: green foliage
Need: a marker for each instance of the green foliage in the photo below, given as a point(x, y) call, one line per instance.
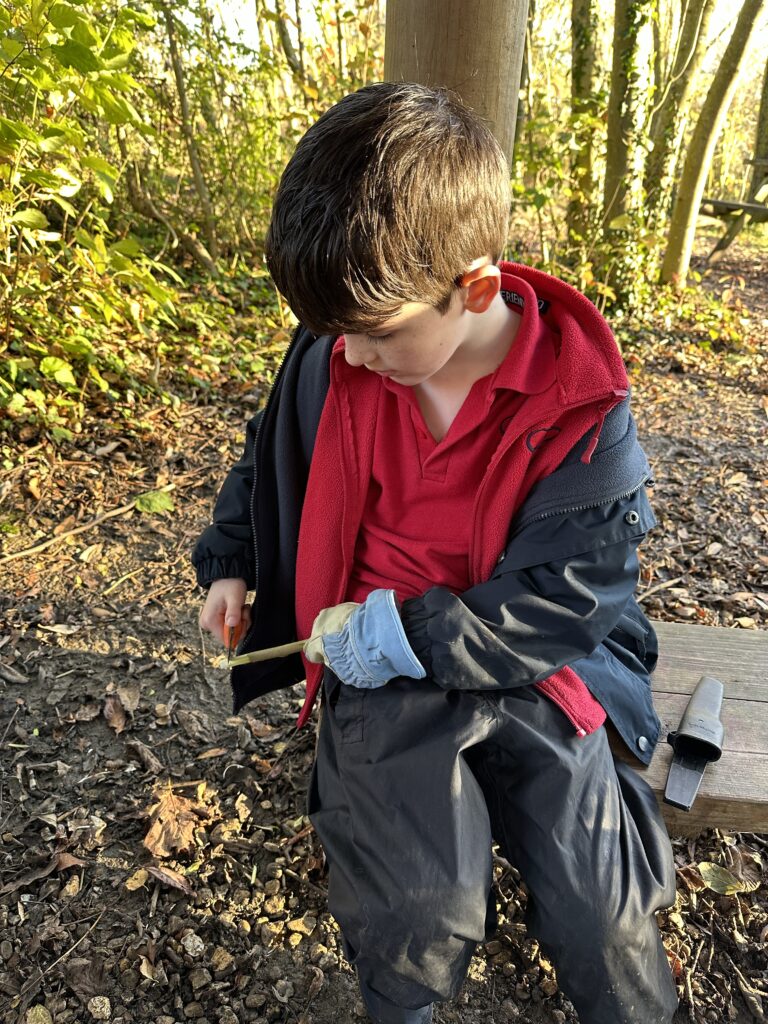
point(69, 282)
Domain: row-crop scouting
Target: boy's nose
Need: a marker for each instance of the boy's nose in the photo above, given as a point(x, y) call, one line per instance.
point(357, 352)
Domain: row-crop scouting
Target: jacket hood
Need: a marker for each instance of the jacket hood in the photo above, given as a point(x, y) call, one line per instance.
point(588, 364)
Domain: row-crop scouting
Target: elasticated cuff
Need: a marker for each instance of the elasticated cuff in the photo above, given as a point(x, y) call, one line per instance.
point(415, 620)
point(208, 570)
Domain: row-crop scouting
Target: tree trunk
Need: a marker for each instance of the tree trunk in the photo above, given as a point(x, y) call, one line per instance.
point(703, 141)
point(474, 47)
point(671, 107)
point(628, 103)
point(758, 186)
point(145, 205)
point(584, 109)
point(209, 223)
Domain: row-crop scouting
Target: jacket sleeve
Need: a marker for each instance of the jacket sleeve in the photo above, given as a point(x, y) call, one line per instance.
point(537, 612)
point(225, 548)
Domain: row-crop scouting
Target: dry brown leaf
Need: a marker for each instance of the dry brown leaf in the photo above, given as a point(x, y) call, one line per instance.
point(214, 752)
point(12, 675)
point(195, 724)
point(114, 712)
point(137, 880)
point(67, 860)
point(146, 968)
point(692, 878)
point(170, 877)
point(746, 865)
point(129, 694)
point(86, 978)
point(174, 820)
point(150, 761)
point(28, 878)
point(87, 712)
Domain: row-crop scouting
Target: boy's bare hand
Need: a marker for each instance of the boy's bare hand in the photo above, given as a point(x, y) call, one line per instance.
point(225, 608)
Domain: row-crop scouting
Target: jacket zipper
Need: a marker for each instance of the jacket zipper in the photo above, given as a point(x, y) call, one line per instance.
point(579, 508)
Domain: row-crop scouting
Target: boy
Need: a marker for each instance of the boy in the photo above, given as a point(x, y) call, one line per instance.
point(445, 493)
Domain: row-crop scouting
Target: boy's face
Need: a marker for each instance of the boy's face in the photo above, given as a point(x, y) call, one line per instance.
point(415, 345)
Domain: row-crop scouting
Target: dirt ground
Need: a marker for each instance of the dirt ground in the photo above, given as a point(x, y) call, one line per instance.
point(156, 863)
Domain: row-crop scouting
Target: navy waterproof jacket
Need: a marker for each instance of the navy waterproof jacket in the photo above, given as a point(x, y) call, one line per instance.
point(561, 594)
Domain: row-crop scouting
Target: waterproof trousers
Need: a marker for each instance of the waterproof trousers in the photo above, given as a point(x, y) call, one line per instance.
point(410, 786)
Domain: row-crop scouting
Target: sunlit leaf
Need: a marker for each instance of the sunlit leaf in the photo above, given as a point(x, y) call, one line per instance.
point(75, 55)
point(720, 879)
point(58, 370)
point(155, 502)
point(33, 219)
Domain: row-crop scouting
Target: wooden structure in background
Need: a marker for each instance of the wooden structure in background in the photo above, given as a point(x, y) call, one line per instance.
point(734, 792)
point(474, 47)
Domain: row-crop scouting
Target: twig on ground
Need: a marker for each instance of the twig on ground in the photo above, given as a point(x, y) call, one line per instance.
point(659, 586)
point(78, 529)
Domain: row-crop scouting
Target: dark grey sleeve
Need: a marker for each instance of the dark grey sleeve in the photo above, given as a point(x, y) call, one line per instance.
point(536, 613)
point(225, 548)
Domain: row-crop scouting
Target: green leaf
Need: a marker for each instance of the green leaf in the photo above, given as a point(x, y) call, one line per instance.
point(11, 48)
point(720, 879)
point(63, 16)
point(58, 370)
point(33, 219)
point(128, 246)
point(15, 130)
point(622, 223)
point(105, 174)
point(155, 502)
point(74, 55)
point(138, 17)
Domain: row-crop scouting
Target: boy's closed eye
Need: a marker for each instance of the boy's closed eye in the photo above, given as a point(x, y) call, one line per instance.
point(376, 338)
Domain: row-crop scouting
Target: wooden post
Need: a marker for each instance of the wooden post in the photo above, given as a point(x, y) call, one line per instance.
point(474, 47)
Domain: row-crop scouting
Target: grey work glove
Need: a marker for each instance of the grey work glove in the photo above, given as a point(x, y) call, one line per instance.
point(364, 644)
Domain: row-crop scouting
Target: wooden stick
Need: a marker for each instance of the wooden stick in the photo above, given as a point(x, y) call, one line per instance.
point(270, 652)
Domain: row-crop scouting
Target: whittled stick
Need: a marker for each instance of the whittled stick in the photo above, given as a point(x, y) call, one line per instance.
point(268, 653)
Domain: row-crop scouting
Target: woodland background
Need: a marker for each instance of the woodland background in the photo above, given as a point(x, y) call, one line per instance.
point(155, 861)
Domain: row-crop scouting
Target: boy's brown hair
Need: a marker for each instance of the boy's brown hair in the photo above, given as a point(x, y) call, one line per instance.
point(387, 199)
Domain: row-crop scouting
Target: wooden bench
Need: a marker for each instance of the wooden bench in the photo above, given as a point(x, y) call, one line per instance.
point(734, 791)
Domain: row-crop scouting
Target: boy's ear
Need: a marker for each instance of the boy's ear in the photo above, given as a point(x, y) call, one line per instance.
point(481, 286)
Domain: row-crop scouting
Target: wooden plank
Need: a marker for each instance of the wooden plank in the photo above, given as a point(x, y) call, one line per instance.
point(737, 657)
point(719, 804)
point(745, 722)
point(734, 791)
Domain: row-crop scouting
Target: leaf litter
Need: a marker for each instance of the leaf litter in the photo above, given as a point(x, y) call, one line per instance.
point(158, 866)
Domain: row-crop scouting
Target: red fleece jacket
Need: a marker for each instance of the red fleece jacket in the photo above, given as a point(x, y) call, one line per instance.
point(586, 379)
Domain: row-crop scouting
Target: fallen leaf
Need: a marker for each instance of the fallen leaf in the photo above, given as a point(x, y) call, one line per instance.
point(129, 694)
point(172, 878)
point(86, 977)
point(137, 880)
point(721, 880)
point(114, 712)
point(746, 865)
point(146, 968)
point(150, 761)
point(11, 675)
point(62, 628)
point(214, 752)
point(87, 712)
point(67, 860)
point(174, 820)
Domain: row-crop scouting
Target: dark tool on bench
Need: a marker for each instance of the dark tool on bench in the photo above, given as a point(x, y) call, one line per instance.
point(697, 741)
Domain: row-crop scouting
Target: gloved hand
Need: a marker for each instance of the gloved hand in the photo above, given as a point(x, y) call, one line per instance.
point(364, 644)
